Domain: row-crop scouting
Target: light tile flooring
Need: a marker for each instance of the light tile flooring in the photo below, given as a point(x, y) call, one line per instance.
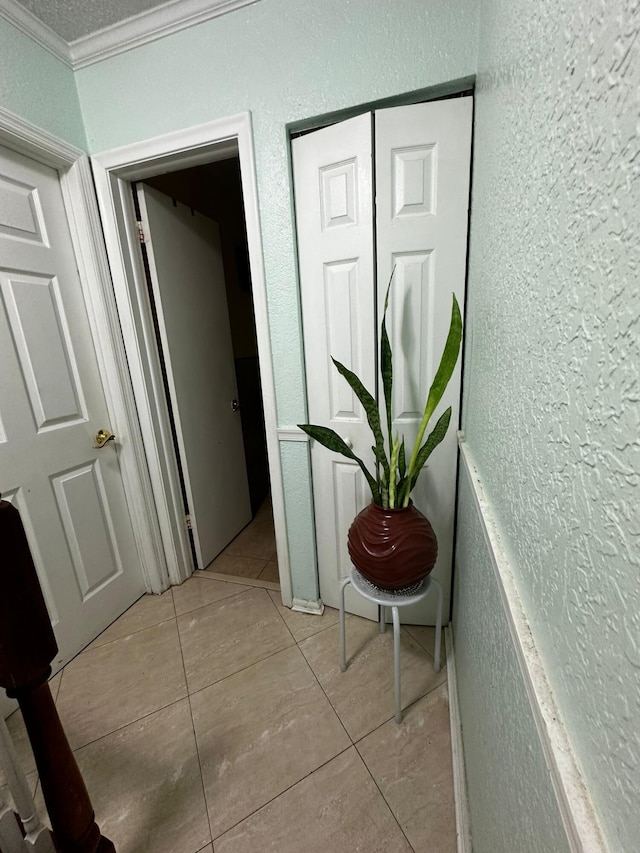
point(252, 554)
point(214, 719)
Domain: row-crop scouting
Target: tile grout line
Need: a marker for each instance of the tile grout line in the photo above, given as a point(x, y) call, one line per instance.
point(95, 648)
point(331, 705)
point(275, 607)
point(124, 636)
point(195, 737)
point(242, 557)
point(130, 723)
point(295, 644)
point(201, 606)
point(155, 710)
point(242, 669)
point(388, 804)
point(284, 791)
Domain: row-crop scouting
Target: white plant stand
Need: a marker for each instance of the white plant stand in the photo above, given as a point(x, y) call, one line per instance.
point(393, 599)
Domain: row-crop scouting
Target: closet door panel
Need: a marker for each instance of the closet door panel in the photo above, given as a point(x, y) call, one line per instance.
point(423, 156)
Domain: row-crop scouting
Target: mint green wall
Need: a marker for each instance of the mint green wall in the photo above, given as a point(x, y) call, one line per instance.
point(551, 373)
point(285, 61)
point(552, 387)
point(38, 87)
point(512, 804)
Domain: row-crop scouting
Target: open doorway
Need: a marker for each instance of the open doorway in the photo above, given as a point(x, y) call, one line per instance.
point(195, 254)
point(159, 507)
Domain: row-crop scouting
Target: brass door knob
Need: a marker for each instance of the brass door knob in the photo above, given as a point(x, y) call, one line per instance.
point(102, 437)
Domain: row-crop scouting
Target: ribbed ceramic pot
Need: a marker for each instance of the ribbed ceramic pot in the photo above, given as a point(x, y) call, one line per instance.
point(392, 548)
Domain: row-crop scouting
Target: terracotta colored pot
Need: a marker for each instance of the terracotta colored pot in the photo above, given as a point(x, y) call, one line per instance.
point(392, 548)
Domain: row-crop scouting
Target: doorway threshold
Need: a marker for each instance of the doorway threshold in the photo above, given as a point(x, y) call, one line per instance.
point(219, 576)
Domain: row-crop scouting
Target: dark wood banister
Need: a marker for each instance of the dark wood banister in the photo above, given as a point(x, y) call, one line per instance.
point(27, 647)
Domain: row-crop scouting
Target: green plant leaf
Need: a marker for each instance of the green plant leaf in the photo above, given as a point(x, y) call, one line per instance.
point(386, 370)
point(448, 360)
point(386, 363)
point(330, 439)
point(402, 465)
point(435, 437)
point(440, 381)
point(393, 467)
point(371, 410)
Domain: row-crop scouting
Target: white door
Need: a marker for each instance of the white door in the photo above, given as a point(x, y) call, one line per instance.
point(187, 277)
point(334, 213)
point(422, 163)
point(69, 494)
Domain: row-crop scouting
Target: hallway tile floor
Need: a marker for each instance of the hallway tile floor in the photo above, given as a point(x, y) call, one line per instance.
point(252, 554)
point(213, 719)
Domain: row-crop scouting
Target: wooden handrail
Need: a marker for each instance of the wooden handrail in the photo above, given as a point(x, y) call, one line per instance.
point(27, 647)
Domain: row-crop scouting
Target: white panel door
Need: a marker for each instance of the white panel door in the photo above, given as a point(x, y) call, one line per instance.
point(187, 276)
point(423, 161)
point(70, 495)
point(333, 195)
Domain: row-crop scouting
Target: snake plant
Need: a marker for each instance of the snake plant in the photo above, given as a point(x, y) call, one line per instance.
point(393, 480)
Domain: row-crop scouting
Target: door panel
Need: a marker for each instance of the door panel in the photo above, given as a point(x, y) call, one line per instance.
point(422, 181)
point(422, 158)
point(70, 495)
point(333, 193)
point(187, 277)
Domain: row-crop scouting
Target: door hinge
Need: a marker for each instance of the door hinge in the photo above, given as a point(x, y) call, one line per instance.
point(141, 236)
point(187, 521)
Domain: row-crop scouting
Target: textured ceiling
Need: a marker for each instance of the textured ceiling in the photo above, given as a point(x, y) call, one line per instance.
point(72, 19)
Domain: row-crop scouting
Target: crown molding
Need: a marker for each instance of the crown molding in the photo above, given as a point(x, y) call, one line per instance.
point(35, 29)
point(34, 142)
point(170, 17)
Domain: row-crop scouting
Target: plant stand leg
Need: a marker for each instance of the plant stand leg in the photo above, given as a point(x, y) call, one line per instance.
point(396, 662)
point(436, 655)
point(343, 642)
point(382, 615)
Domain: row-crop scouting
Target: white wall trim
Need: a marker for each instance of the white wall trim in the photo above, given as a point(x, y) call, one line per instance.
point(86, 234)
point(146, 27)
point(155, 451)
point(113, 172)
point(578, 815)
point(463, 826)
point(35, 142)
point(305, 605)
point(292, 434)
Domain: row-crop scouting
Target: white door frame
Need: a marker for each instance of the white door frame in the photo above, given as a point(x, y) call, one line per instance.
point(114, 171)
point(76, 182)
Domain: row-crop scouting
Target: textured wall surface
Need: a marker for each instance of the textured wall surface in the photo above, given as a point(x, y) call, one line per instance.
point(298, 502)
point(38, 87)
point(285, 61)
point(552, 400)
point(511, 801)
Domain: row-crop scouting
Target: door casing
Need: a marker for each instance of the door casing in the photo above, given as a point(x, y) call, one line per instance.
point(114, 171)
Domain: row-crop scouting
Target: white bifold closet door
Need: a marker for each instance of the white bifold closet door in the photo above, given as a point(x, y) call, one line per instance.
point(418, 160)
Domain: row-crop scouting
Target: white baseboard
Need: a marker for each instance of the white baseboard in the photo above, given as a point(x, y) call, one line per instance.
point(463, 826)
point(301, 605)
